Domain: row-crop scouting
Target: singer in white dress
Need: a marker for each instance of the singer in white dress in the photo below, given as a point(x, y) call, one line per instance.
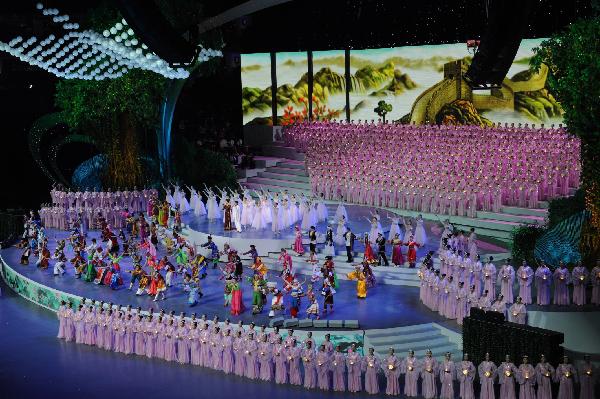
point(420, 235)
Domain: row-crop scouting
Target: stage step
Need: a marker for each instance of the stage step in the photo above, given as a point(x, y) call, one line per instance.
point(419, 337)
point(508, 217)
point(284, 177)
point(273, 187)
point(283, 152)
point(266, 162)
point(283, 184)
point(514, 210)
point(503, 236)
point(287, 171)
point(292, 164)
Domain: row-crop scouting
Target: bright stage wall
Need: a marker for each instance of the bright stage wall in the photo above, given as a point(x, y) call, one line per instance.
point(418, 81)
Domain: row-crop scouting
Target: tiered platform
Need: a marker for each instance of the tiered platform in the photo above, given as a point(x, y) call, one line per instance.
point(283, 169)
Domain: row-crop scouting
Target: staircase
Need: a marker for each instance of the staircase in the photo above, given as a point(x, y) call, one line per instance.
point(418, 337)
point(284, 169)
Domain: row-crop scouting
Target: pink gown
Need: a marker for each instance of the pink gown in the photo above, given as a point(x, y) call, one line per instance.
point(310, 372)
point(370, 367)
point(265, 360)
point(447, 375)
point(298, 247)
point(506, 379)
point(391, 369)
point(338, 368)
point(322, 367)
point(252, 367)
point(170, 343)
point(293, 357)
point(354, 365)
point(526, 381)
point(238, 356)
point(428, 380)
point(466, 375)
point(281, 370)
point(410, 369)
point(227, 345)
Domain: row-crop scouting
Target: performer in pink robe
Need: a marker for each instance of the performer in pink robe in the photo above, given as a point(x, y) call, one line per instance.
point(322, 366)
point(447, 375)
point(526, 380)
point(265, 359)
point(159, 332)
point(506, 379)
point(308, 361)
point(298, 247)
point(580, 282)
point(429, 368)
point(562, 278)
point(62, 320)
point(391, 370)
point(544, 374)
point(466, 374)
point(525, 278)
point(194, 337)
point(280, 362)
point(595, 277)
point(517, 313)
point(140, 336)
point(238, 354)
point(543, 280)
point(129, 338)
point(216, 348)
point(205, 336)
point(293, 357)
point(89, 321)
point(354, 366)
point(410, 369)
point(183, 343)
point(586, 374)
point(566, 376)
point(371, 366)
point(119, 329)
point(487, 374)
point(69, 324)
point(251, 348)
point(338, 368)
point(506, 277)
point(170, 333)
point(227, 345)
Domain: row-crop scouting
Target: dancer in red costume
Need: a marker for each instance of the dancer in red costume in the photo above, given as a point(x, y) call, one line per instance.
point(412, 251)
point(369, 254)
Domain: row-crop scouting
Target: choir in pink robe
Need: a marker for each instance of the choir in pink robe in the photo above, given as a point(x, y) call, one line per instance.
point(580, 280)
point(239, 356)
point(410, 369)
point(447, 375)
point(281, 370)
point(565, 375)
point(89, 328)
point(543, 280)
point(294, 355)
point(170, 342)
point(338, 368)
point(562, 278)
point(159, 331)
point(322, 368)
point(506, 276)
point(391, 369)
point(194, 337)
point(252, 368)
point(595, 277)
point(526, 379)
point(544, 373)
point(466, 375)
point(62, 321)
point(587, 373)
point(120, 330)
point(227, 345)
point(265, 360)
point(525, 278)
point(429, 369)
point(140, 337)
point(370, 367)
point(183, 345)
point(487, 373)
point(216, 350)
point(354, 365)
point(506, 379)
point(70, 325)
point(310, 372)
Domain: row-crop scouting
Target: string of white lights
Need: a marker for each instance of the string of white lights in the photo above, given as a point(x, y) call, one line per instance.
point(89, 55)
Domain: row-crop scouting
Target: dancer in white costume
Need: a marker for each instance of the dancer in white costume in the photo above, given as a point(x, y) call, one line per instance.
point(314, 219)
point(247, 211)
point(196, 203)
point(168, 196)
point(420, 235)
point(409, 231)
point(258, 221)
point(306, 221)
point(377, 216)
point(222, 197)
point(322, 213)
point(295, 209)
point(341, 210)
point(375, 226)
point(236, 216)
point(212, 207)
point(276, 219)
point(285, 215)
point(394, 227)
point(184, 205)
point(472, 244)
point(341, 230)
point(266, 208)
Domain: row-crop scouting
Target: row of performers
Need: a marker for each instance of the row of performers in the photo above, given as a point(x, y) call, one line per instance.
point(135, 200)
point(486, 277)
point(269, 356)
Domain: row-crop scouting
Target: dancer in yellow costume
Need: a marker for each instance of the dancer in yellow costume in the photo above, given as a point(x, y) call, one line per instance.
point(361, 281)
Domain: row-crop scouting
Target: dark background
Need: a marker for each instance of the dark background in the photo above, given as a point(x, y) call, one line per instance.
point(209, 105)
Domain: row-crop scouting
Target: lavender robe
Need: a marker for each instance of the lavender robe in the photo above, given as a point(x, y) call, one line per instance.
point(487, 373)
point(466, 375)
point(580, 279)
point(525, 276)
point(338, 368)
point(183, 345)
point(410, 369)
point(310, 372)
point(194, 337)
point(562, 278)
point(265, 360)
point(428, 371)
point(228, 362)
point(151, 339)
point(526, 380)
point(506, 277)
point(565, 375)
point(543, 280)
point(506, 379)
point(447, 375)
point(371, 365)
point(544, 373)
point(216, 351)
point(322, 368)
point(159, 331)
point(281, 370)
point(586, 381)
point(170, 343)
point(391, 369)
point(354, 364)
point(293, 356)
point(238, 356)
point(252, 369)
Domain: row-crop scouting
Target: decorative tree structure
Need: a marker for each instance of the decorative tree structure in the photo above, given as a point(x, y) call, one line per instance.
point(573, 57)
point(382, 109)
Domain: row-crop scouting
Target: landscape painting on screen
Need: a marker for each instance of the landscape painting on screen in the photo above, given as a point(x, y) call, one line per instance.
point(422, 83)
